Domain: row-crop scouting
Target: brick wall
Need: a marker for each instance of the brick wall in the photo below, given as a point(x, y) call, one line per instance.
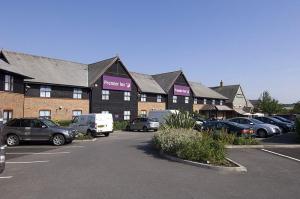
point(12, 101)
point(148, 106)
point(33, 105)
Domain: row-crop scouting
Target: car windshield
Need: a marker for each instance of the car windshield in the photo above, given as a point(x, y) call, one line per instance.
point(153, 119)
point(49, 123)
point(256, 121)
point(281, 118)
point(275, 120)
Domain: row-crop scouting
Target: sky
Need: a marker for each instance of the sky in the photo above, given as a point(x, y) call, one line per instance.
point(255, 43)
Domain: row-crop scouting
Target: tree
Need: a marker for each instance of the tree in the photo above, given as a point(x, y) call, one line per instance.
point(296, 109)
point(269, 105)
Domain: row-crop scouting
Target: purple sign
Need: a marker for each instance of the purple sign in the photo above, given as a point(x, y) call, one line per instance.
point(181, 90)
point(116, 83)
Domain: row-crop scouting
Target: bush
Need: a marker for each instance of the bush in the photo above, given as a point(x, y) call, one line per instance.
point(82, 136)
point(180, 120)
point(298, 126)
point(120, 125)
point(190, 145)
point(245, 141)
point(64, 123)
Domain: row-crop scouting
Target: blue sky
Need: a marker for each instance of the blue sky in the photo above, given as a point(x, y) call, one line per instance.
point(255, 43)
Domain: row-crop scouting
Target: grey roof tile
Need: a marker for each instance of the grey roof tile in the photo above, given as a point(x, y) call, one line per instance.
point(227, 91)
point(146, 83)
point(200, 90)
point(166, 80)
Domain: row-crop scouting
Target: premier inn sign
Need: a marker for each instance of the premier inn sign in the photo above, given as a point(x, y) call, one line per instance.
point(181, 90)
point(116, 83)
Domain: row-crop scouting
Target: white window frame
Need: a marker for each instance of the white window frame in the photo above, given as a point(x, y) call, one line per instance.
point(174, 99)
point(221, 102)
point(159, 98)
point(77, 93)
point(213, 102)
point(143, 98)
point(204, 101)
point(76, 113)
point(7, 115)
point(195, 100)
point(45, 114)
point(45, 91)
point(105, 94)
point(143, 113)
point(8, 83)
point(127, 115)
point(127, 96)
point(105, 112)
point(186, 99)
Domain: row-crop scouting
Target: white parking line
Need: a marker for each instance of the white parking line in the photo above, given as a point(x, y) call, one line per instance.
point(6, 177)
point(41, 153)
point(32, 162)
point(281, 155)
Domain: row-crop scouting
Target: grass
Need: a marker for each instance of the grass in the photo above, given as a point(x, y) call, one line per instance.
point(82, 136)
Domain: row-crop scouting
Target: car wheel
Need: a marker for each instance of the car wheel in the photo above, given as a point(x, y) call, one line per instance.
point(127, 128)
point(12, 140)
point(90, 133)
point(145, 129)
point(58, 140)
point(262, 133)
point(106, 134)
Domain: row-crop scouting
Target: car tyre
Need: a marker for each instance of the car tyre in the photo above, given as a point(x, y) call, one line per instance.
point(106, 134)
point(58, 140)
point(262, 133)
point(90, 133)
point(145, 129)
point(12, 140)
point(127, 128)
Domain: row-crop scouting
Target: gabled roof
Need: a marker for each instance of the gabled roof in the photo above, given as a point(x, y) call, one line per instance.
point(167, 80)
point(227, 91)
point(97, 69)
point(6, 67)
point(48, 70)
point(146, 83)
point(200, 90)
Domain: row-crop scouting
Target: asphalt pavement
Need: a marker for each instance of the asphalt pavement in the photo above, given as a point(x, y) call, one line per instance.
point(125, 165)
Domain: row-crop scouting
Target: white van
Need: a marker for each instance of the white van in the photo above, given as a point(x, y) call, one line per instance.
point(93, 124)
point(161, 116)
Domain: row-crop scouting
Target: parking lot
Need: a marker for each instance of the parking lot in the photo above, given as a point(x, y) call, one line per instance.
point(125, 165)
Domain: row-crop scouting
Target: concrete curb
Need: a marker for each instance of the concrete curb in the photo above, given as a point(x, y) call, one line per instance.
point(263, 146)
point(92, 140)
point(238, 169)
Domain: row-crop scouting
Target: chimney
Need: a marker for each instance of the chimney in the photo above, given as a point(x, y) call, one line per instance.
point(221, 83)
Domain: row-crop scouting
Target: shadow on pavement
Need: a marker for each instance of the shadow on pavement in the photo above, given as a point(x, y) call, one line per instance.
point(288, 138)
point(149, 149)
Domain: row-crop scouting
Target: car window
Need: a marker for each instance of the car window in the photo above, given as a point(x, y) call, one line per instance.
point(36, 124)
point(25, 123)
point(244, 121)
point(49, 123)
point(235, 120)
point(13, 123)
point(256, 121)
point(75, 120)
point(144, 119)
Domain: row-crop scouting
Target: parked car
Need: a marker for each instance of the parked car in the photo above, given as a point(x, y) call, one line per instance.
point(261, 129)
point(2, 146)
point(144, 124)
point(94, 124)
point(231, 127)
point(36, 129)
point(283, 119)
point(161, 116)
point(285, 127)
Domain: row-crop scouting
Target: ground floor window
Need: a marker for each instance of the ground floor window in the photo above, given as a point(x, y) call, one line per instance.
point(174, 99)
point(7, 115)
point(126, 115)
point(45, 114)
point(76, 113)
point(143, 113)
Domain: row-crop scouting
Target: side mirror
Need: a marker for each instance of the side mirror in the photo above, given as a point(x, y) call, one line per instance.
point(44, 126)
point(251, 123)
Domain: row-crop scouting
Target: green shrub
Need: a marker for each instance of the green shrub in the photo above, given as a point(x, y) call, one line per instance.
point(64, 123)
point(223, 136)
point(245, 141)
point(82, 136)
point(120, 125)
point(190, 145)
point(180, 120)
point(298, 126)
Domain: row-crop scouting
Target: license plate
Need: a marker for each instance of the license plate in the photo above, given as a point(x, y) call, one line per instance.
point(100, 126)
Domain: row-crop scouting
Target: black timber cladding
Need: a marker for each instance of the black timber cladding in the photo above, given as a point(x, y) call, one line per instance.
point(116, 103)
point(18, 83)
point(152, 97)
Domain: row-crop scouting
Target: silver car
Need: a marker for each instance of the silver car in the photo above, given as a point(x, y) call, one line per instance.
point(261, 129)
point(35, 129)
point(143, 124)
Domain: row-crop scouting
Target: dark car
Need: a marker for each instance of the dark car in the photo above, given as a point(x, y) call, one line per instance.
point(283, 119)
point(230, 127)
point(36, 129)
point(2, 146)
point(143, 124)
point(286, 127)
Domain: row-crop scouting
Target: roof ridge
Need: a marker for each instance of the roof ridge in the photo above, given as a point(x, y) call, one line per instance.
point(40, 56)
point(104, 60)
point(167, 72)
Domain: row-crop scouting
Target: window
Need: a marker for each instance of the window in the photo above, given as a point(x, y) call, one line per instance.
point(76, 113)
point(174, 99)
point(143, 113)
point(143, 97)
point(126, 115)
point(9, 83)
point(14, 123)
point(195, 101)
point(25, 123)
point(77, 93)
point(105, 95)
point(127, 96)
point(36, 124)
point(213, 102)
point(221, 102)
point(7, 115)
point(159, 98)
point(105, 112)
point(205, 101)
point(186, 100)
point(45, 91)
point(45, 114)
